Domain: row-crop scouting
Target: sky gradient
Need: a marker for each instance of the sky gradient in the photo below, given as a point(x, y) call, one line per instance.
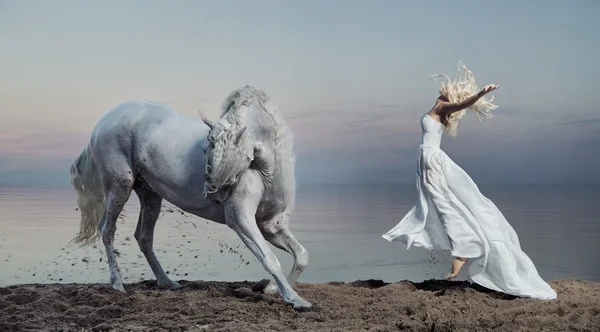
point(351, 78)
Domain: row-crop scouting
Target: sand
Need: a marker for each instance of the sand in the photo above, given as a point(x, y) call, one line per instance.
point(370, 305)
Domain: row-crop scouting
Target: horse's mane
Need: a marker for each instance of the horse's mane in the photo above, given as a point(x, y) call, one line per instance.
point(281, 137)
point(246, 96)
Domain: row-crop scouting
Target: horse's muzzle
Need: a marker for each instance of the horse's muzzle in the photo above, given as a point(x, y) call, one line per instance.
point(215, 194)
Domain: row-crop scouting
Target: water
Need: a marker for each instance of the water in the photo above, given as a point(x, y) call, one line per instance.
point(340, 226)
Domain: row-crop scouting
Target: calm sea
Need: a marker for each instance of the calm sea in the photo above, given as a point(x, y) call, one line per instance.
point(340, 226)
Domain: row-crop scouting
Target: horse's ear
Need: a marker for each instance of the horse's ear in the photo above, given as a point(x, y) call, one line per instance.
point(257, 152)
point(209, 123)
point(239, 134)
point(258, 148)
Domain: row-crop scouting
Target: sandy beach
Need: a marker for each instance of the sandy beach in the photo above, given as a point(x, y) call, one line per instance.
point(370, 305)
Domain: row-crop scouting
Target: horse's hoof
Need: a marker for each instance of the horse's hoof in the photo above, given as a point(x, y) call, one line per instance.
point(261, 285)
point(120, 288)
point(170, 284)
point(302, 306)
point(271, 289)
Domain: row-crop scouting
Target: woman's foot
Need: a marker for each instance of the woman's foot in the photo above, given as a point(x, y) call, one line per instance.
point(457, 265)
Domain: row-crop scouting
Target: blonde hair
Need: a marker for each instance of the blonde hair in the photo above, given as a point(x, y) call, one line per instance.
point(459, 89)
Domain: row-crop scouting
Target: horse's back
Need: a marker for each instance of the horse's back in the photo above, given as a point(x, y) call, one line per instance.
point(155, 144)
point(137, 122)
point(129, 116)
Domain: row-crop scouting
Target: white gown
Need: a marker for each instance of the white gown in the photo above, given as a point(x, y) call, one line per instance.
point(451, 214)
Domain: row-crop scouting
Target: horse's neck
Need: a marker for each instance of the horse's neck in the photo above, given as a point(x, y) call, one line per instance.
point(253, 119)
point(262, 127)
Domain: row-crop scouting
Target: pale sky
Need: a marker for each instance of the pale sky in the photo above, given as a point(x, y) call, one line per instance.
point(351, 78)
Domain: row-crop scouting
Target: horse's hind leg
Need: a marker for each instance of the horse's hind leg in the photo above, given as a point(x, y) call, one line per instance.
point(117, 194)
point(277, 232)
point(150, 203)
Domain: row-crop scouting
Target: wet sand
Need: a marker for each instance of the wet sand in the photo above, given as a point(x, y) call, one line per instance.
point(370, 305)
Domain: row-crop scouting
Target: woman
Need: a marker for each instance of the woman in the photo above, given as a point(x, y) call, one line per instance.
point(451, 213)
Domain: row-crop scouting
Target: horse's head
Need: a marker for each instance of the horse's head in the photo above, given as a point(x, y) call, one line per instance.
point(228, 153)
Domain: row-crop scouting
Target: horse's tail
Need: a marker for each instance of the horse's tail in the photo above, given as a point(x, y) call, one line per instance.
point(90, 198)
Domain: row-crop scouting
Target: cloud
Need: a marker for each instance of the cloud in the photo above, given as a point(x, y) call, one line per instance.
point(354, 125)
point(582, 122)
point(40, 151)
point(184, 102)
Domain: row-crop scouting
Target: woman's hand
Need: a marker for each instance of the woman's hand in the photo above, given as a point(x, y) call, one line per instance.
point(487, 89)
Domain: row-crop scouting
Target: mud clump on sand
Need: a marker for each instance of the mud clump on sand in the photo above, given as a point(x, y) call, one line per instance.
point(367, 305)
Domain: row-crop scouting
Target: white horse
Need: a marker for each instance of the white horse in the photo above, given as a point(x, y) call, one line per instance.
point(238, 171)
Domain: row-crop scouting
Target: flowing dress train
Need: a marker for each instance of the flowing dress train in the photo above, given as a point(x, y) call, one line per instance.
point(452, 214)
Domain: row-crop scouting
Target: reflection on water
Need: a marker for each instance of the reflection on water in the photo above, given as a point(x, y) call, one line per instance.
point(340, 226)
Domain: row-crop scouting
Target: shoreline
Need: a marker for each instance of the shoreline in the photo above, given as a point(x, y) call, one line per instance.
point(361, 305)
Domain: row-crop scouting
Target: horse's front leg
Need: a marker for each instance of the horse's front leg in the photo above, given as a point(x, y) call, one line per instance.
point(239, 214)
